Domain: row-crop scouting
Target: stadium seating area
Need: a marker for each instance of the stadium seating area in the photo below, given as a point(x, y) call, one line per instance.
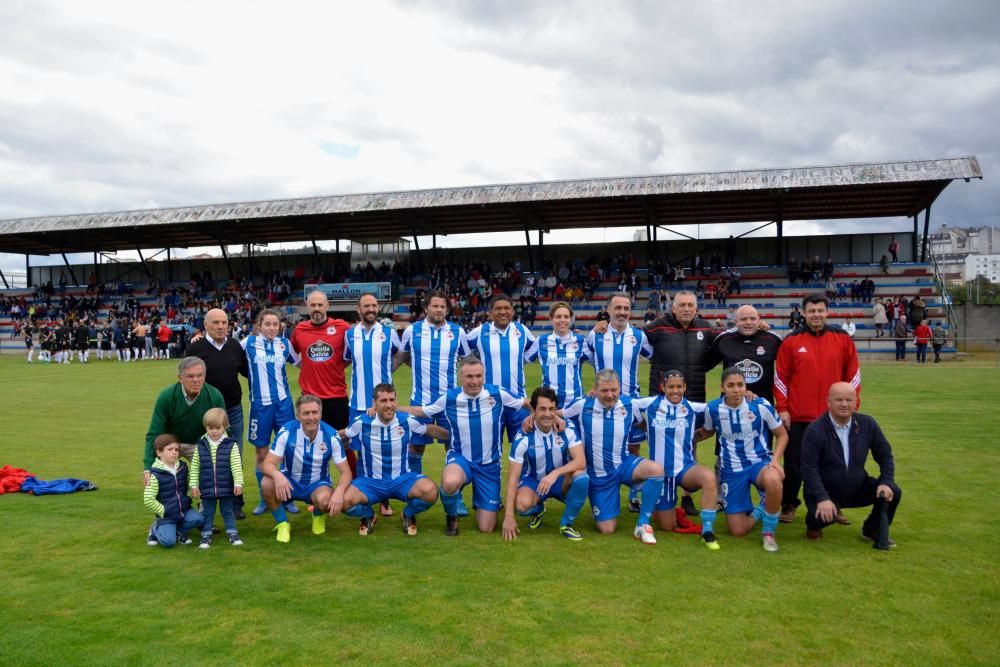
point(766, 288)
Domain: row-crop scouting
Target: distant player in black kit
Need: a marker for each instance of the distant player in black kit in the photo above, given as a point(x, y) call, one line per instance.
point(29, 343)
point(105, 347)
point(81, 336)
point(750, 350)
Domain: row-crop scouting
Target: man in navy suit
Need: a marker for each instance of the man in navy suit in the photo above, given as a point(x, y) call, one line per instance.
point(834, 450)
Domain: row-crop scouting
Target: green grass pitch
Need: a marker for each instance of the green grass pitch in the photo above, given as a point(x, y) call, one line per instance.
point(81, 586)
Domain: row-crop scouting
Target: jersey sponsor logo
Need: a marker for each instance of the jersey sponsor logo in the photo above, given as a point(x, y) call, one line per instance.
point(752, 371)
point(752, 435)
point(320, 351)
point(561, 361)
point(668, 423)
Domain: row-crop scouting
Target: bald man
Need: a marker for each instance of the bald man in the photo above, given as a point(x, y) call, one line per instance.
point(224, 361)
point(834, 450)
point(751, 350)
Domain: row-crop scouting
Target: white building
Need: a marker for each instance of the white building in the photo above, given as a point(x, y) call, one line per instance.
point(983, 265)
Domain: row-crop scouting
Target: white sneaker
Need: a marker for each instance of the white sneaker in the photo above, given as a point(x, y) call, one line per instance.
point(769, 542)
point(644, 534)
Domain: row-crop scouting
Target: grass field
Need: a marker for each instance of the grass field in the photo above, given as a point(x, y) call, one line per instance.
point(82, 587)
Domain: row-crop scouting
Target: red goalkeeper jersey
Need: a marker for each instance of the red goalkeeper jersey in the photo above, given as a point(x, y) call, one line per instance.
point(322, 351)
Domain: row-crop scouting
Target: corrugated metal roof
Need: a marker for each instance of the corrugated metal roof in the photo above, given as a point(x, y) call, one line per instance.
point(822, 192)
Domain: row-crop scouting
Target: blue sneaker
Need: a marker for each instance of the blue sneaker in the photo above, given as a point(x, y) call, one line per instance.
point(460, 508)
point(260, 509)
point(291, 508)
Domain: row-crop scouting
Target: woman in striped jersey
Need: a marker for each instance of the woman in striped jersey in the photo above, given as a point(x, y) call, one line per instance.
point(561, 355)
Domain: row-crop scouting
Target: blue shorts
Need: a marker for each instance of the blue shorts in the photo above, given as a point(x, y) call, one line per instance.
point(636, 435)
point(736, 488)
point(266, 420)
point(485, 480)
point(555, 491)
point(513, 419)
point(668, 499)
point(604, 494)
point(440, 420)
point(304, 492)
point(380, 490)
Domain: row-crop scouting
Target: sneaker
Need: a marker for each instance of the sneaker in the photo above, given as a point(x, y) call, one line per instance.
point(206, 541)
point(644, 534)
point(770, 544)
point(319, 524)
point(182, 538)
point(535, 520)
point(239, 514)
point(284, 530)
point(633, 505)
point(687, 504)
point(291, 508)
point(872, 536)
point(409, 524)
point(570, 533)
point(367, 525)
point(234, 540)
point(787, 514)
point(451, 525)
point(260, 509)
point(708, 539)
point(151, 536)
point(386, 509)
point(460, 508)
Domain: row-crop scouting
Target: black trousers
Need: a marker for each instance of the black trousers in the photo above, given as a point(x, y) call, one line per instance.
point(862, 496)
point(337, 414)
point(793, 465)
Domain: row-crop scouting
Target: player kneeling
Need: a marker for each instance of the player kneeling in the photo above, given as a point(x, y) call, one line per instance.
point(383, 468)
point(671, 424)
point(545, 464)
point(745, 427)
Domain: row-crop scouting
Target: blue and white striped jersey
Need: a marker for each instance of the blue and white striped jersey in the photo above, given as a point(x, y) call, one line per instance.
point(670, 429)
point(476, 422)
point(541, 453)
point(370, 351)
point(434, 353)
point(604, 432)
point(561, 360)
point(308, 461)
point(744, 432)
point(384, 447)
point(621, 352)
point(266, 359)
point(503, 353)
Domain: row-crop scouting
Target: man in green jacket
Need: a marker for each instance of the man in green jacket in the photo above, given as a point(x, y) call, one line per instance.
point(179, 410)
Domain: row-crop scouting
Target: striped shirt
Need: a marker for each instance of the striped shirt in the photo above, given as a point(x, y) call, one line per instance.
point(620, 352)
point(476, 422)
point(434, 353)
point(371, 351)
point(744, 432)
point(670, 428)
point(307, 461)
point(561, 360)
point(541, 453)
point(604, 432)
point(384, 446)
point(267, 377)
point(503, 353)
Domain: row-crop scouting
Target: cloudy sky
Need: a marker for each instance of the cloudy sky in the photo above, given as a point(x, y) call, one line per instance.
point(125, 105)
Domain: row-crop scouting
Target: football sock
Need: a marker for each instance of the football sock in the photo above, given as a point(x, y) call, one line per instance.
point(708, 521)
point(360, 512)
point(651, 490)
point(770, 522)
point(279, 514)
point(758, 511)
point(415, 506)
point(575, 497)
point(532, 511)
point(450, 502)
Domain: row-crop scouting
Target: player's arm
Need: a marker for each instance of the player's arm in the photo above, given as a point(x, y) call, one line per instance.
point(782, 376)
point(780, 438)
point(437, 432)
point(576, 463)
point(269, 467)
point(510, 529)
point(337, 497)
point(402, 355)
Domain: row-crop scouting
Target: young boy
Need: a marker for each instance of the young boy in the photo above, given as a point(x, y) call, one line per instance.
point(166, 496)
point(672, 422)
point(217, 476)
point(744, 430)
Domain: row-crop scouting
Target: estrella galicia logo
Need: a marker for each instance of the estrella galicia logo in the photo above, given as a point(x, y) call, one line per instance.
point(752, 371)
point(320, 351)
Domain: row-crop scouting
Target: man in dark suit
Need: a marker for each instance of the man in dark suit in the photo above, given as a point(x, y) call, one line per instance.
point(834, 450)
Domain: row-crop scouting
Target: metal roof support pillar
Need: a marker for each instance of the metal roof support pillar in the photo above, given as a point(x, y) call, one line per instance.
point(527, 242)
point(4, 279)
point(781, 239)
point(927, 224)
point(142, 260)
point(434, 247)
point(416, 244)
point(316, 263)
point(916, 223)
point(225, 256)
point(649, 245)
point(170, 268)
point(71, 274)
point(96, 269)
point(27, 270)
point(541, 249)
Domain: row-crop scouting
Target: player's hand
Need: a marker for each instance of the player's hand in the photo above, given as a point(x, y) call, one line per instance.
point(777, 466)
point(560, 424)
point(510, 529)
point(884, 491)
point(336, 503)
point(528, 425)
point(786, 419)
point(238, 490)
point(546, 483)
point(601, 327)
point(145, 478)
point(370, 411)
point(750, 396)
point(282, 489)
point(196, 493)
point(763, 326)
point(826, 511)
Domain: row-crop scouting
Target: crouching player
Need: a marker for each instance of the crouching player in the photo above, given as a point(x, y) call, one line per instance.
point(744, 428)
point(166, 496)
point(383, 468)
point(671, 424)
point(545, 464)
point(305, 445)
point(606, 421)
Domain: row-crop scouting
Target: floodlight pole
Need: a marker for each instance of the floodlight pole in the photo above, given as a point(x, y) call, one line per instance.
point(916, 218)
point(4, 279)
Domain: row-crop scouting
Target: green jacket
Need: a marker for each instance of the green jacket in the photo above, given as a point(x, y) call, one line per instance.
point(172, 414)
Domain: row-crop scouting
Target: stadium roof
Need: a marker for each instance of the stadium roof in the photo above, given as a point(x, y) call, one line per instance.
point(885, 189)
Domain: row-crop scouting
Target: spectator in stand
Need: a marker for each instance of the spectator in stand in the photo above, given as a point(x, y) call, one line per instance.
point(916, 311)
point(855, 291)
point(868, 289)
point(884, 265)
point(830, 288)
point(735, 287)
point(792, 270)
point(827, 269)
point(879, 318)
point(894, 249)
point(849, 327)
point(795, 319)
point(841, 290)
point(938, 340)
point(921, 337)
point(900, 332)
point(649, 315)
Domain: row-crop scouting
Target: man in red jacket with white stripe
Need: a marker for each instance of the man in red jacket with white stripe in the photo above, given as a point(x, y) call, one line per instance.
point(810, 360)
